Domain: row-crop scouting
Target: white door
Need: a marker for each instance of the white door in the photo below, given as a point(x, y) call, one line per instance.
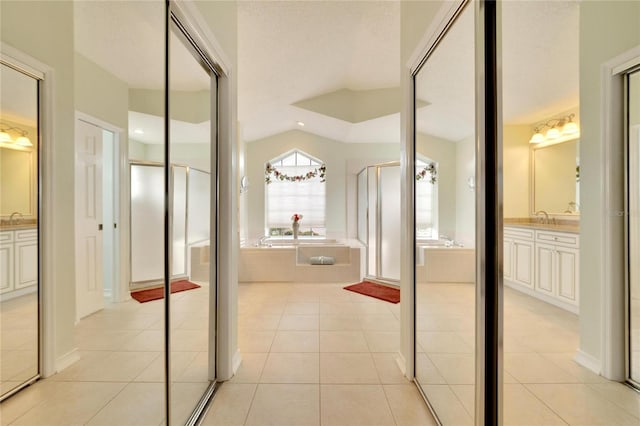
point(88, 199)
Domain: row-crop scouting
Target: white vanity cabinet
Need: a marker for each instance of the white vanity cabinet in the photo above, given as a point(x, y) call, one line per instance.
point(18, 261)
point(518, 256)
point(543, 264)
point(557, 266)
point(26, 258)
point(6, 261)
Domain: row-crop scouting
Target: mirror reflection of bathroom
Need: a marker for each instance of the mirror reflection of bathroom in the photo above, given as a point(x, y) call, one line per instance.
point(543, 315)
point(445, 271)
point(19, 240)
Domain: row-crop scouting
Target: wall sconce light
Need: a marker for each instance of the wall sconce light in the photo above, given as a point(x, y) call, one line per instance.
point(21, 140)
point(560, 129)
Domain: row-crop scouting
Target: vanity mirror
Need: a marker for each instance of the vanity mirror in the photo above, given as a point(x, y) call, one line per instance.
point(555, 178)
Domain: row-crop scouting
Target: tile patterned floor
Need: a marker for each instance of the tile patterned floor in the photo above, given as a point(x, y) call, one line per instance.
point(319, 355)
point(315, 354)
point(543, 385)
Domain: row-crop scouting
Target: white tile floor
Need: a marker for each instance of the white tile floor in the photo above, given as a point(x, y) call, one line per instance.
point(119, 377)
point(18, 341)
point(317, 354)
point(543, 385)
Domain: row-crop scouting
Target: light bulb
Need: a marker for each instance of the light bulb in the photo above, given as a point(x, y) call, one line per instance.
point(4, 137)
point(537, 138)
point(23, 141)
point(570, 128)
point(553, 133)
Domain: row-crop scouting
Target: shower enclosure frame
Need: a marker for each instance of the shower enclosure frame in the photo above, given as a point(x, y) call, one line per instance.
point(378, 276)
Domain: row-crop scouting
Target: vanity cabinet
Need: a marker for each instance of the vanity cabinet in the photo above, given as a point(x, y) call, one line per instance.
point(543, 264)
point(557, 266)
point(6, 261)
point(26, 258)
point(18, 260)
point(518, 256)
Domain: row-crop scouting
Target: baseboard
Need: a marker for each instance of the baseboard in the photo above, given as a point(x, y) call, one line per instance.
point(235, 363)
point(17, 293)
point(402, 363)
point(588, 361)
point(67, 360)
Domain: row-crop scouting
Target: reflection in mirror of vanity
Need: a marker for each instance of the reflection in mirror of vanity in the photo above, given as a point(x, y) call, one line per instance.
point(555, 178)
point(19, 328)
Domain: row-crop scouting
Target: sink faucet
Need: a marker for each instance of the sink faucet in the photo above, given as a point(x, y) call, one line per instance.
point(545, 219)
point(13, 220)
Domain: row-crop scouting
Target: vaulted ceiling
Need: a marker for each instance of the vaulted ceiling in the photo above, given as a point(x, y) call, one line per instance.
point(335, 66)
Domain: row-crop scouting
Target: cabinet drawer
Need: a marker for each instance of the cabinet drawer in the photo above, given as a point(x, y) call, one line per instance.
point(570, 240)
point(524, 234)
point(6, 237)
point(26, 235)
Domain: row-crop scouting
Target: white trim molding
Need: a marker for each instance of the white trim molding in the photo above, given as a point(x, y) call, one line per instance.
point(589, 362)
point(67, 360)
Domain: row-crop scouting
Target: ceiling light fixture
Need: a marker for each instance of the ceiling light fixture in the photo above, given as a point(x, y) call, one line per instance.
point(560, 130)
point(138, 132)
point(300, 123)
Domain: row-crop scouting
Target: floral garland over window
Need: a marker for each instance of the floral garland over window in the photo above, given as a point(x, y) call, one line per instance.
point(431, 170)
point(277, 174)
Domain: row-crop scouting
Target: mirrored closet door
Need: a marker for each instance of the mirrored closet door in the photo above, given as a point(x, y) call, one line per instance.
point(445, 215)
point(191, 348)
point(19, 241)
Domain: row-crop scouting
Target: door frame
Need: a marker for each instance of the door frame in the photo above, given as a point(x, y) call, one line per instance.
point(121, 209)
point(612, 363)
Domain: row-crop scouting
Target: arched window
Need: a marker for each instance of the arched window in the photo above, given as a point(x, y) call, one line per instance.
point(295, 185)
point(426, 199)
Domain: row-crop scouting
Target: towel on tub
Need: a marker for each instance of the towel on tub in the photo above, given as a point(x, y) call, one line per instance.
point(322, 260)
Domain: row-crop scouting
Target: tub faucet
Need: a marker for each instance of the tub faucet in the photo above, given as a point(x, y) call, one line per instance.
point(261, 241)
point(545, 218)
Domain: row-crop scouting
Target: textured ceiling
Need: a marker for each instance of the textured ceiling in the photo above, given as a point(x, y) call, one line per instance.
point(292, 51)
point(289, 52)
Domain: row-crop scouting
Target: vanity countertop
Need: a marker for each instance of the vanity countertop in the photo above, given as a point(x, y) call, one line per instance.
point(18, 227)
point(559, 227)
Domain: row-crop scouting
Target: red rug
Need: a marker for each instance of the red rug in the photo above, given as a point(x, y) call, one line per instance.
point(143, 296)
point(378, 291)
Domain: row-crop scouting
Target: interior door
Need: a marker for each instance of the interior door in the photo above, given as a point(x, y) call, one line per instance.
point(88, 200)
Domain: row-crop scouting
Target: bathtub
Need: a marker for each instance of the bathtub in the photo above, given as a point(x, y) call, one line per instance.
point(438, 262)
point(288, 260)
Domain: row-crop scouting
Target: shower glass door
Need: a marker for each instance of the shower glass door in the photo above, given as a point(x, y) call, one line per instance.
point(633, 225)
point(191, 348)
point(19, 233)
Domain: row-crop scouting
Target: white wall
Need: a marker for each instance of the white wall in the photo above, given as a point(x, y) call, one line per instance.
point(515, 170)
point(606, 30)
point(343, 160)
point(190, 154)
point(99, 93)
point(44, 30)
point(465, 198)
